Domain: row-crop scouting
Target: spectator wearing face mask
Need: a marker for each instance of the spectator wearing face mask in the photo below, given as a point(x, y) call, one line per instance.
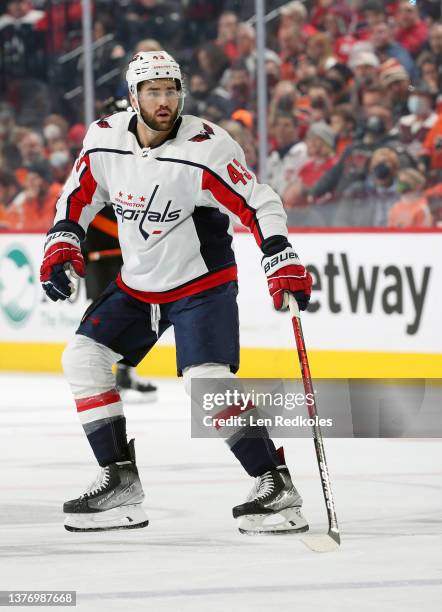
point(367, 203)
point(353, 164)
point(412, 210)
point(414, 128)
point(60, 161)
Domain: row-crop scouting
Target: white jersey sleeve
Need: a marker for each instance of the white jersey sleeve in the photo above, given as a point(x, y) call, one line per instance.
point(83, 195)
point(228, 184)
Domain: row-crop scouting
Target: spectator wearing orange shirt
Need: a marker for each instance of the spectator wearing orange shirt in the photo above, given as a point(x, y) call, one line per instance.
point(432, 150)
point(434, 199)
point(8, 190)
point(412, 210)
point(35, 205)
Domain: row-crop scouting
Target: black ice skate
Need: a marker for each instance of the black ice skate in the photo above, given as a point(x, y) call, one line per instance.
point(113, 500)
point(273, 506)
point(134, 389)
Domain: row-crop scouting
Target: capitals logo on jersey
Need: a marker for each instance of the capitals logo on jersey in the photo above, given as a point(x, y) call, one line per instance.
point(129, 209)
point(205, 134)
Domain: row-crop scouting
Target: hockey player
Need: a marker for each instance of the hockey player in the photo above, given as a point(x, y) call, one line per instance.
point(175, 183)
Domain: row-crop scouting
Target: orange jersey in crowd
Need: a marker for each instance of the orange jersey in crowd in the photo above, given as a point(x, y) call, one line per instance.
point(410, 213)
point(433, 145)
point(29, 214)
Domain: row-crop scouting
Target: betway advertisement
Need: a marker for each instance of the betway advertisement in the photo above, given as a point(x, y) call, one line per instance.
point(372, 292)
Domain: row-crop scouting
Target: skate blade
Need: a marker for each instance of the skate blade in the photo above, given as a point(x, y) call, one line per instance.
point(287, 521)
point(124, 517)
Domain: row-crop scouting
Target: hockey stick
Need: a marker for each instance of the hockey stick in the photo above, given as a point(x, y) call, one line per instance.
point(317, 542)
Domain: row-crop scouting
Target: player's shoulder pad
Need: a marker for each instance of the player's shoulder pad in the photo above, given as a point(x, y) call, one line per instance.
point(108, 132)
point(205, 141)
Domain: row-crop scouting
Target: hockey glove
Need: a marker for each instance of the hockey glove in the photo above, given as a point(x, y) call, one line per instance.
point(285, 273)
point(61, 255)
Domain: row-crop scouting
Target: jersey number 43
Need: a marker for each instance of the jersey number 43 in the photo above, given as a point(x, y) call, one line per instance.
point(238, 173)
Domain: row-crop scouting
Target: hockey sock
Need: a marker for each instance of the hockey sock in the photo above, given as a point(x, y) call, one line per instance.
point(105, 426)
point(256, 455)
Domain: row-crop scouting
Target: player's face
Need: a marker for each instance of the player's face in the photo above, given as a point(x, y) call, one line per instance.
point(158, 102)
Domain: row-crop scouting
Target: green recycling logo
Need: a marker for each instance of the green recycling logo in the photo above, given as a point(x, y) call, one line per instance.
point(17, 285)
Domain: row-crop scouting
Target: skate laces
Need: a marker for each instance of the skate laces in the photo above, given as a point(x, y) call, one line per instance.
point(265, 485)
point(100, 482)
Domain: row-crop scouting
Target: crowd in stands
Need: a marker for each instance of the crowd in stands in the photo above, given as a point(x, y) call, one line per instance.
point(354, 98)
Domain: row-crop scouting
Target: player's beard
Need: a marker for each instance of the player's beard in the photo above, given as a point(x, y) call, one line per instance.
point(150, 120)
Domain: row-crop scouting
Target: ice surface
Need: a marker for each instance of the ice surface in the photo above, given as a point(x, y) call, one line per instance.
point(191, 558)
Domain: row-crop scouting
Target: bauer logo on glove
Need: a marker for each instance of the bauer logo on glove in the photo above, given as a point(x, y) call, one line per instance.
point(62, 260)
point(286, 274)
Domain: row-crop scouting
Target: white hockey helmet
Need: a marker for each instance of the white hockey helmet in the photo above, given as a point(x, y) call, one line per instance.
point(150, 65)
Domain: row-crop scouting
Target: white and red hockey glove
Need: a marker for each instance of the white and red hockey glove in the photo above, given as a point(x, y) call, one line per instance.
point(62, 255)
point(286, 274)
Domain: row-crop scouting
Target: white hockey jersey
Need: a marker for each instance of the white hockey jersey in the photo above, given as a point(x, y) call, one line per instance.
point(174, 203)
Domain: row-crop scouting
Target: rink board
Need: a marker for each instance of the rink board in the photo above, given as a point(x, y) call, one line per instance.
point(375, 308)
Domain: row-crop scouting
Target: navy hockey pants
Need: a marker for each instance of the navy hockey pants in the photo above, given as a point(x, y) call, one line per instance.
point(206, 326)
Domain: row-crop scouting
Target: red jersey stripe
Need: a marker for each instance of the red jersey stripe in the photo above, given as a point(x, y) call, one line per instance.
point(83, 194)
point(232, 201)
